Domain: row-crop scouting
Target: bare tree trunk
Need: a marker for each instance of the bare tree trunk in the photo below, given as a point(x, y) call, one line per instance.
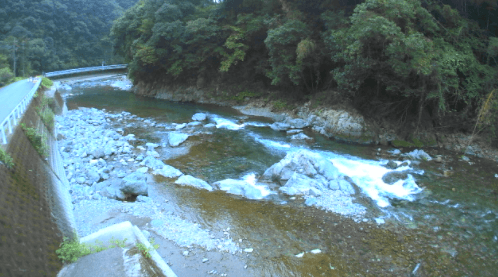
point(421, 105)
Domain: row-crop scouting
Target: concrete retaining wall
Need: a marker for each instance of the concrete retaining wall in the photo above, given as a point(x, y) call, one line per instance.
point(35, 205)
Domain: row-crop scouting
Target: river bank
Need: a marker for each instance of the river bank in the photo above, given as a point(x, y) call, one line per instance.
point(340, 122)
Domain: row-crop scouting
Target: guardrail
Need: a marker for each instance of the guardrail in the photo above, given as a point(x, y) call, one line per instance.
point(16, 114)
point(85, 69)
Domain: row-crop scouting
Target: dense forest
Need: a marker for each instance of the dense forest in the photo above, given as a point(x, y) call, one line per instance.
point(431, 62)
point(44, 35)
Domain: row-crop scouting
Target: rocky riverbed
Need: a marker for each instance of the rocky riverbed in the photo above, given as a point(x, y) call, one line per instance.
point(194, 184)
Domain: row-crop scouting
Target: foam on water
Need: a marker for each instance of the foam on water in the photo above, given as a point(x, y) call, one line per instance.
point(223, 123)
point(366, 174)
point(251, 179)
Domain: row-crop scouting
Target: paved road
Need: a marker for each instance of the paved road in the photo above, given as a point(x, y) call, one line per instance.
point(11, 96)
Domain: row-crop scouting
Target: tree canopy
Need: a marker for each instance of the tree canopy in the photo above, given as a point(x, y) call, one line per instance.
point(50, 35)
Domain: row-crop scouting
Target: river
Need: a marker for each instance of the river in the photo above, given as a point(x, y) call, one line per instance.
point(426, 225)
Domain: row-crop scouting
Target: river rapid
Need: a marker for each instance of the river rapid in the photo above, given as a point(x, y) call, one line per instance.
point(440, 218)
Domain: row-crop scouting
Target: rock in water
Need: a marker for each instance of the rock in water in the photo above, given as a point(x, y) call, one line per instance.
point(187, 180)
point(303, 162)
point(176, 138)
point(239, 187)
point(391, 165)
point(300, 184)
point(199, 117)
point(168, 172)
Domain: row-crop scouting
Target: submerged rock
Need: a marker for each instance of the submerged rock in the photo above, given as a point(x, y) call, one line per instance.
point(239, 187)
point(176, 138)
point(187, 180)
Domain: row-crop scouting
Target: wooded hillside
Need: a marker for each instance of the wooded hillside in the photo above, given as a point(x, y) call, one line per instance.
point(47, 35)
point(409, 60)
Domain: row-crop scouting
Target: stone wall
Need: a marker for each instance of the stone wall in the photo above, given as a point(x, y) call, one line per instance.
point(35, 206)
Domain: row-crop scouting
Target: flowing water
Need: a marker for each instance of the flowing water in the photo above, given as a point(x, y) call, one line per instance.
point(425, 225)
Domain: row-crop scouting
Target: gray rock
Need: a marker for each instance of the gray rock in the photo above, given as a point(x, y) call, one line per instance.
point(418, 155)
point(152, 154)
point(238, 187)
point(342, 185)
point(151, 146)
point(97, 153)
point(303, 162)
point(135, 184)
point(187, 180)
point(394, 176)
point(195, 123)
point(310, 201)
point(297, 123)
point(294, 131)
point(300, 136)
point(168, 172)
point(391, 165)
point(180, 126)
point(80, 180)
point(199, 117)
point(93, 175)
point(300, 184)
point(152, 162)
point(176, 138)
point(280, 126)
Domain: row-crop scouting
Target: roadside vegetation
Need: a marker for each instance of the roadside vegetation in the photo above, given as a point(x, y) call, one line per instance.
point(6, 159)
point(71, 249)
point(420, 64)
point(38, 140)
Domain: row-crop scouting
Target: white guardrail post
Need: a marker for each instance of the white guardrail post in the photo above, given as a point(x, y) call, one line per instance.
point(16, 114)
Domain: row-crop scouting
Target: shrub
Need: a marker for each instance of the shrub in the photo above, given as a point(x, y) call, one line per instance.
point(6, 159)
point(71, 249)
point(45, 112)
point(46, 82)
point(38, 140)
point(146, 250)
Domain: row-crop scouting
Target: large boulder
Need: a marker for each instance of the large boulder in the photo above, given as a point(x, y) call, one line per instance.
point(199, 117)
point(297, 123)
point(300, 184)
point(176, 138)
point(135, 184)
point(187, 180)
point(97, 153)
point(305, 163)
point(239, 187)
point(110, 188)
point(280, 126)
point(168, 172)
point(152, 163)
point(394, 176)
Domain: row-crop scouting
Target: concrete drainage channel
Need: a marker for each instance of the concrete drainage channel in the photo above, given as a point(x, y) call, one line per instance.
point(122, 261)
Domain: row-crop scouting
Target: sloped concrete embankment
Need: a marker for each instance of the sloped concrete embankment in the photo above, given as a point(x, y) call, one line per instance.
point(35, 206)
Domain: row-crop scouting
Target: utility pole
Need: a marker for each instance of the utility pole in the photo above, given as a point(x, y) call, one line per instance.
point(14, 53)
point(23, 59)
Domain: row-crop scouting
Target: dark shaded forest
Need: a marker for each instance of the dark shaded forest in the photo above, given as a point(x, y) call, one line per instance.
point(430, 62)
point(45, 35)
